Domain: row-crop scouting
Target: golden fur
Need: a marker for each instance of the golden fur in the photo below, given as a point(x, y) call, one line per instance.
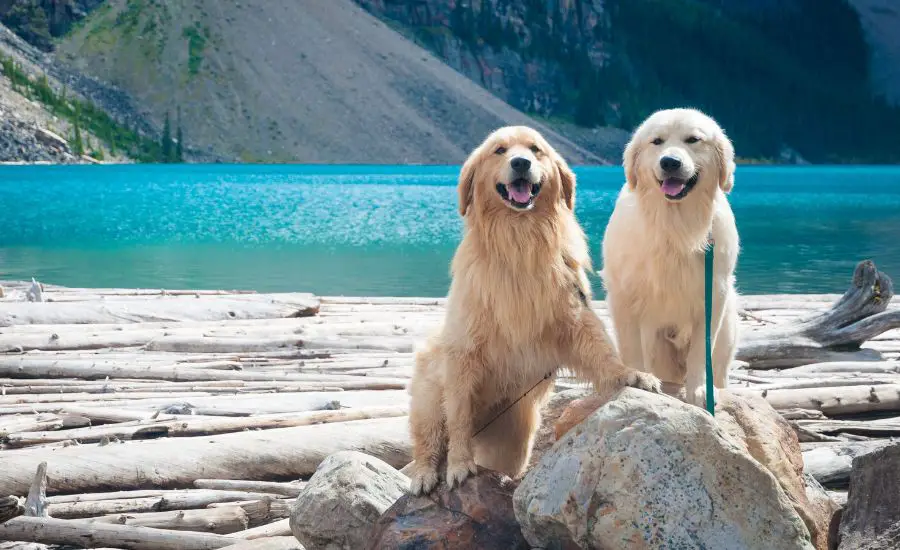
point(653, 253)
point(513, 315)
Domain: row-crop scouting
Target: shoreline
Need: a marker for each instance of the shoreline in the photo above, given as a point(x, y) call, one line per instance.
point(181, 394)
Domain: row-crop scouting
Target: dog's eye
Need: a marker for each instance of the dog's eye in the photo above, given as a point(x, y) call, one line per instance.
point(692, 139)
point(657, 141)
point(535, 149)
point(499, 150)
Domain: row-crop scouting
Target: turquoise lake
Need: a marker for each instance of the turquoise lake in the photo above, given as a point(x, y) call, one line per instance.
point(388, 230)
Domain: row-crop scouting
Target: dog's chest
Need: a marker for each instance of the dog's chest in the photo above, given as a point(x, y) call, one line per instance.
point(668, 285)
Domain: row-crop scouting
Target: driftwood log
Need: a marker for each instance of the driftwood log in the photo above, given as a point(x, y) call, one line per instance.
point(97, 535)
point(267, 455)
point(179, 308)
point(134, 502)
point(10, 507)
point(834, 335)
point(222, 520)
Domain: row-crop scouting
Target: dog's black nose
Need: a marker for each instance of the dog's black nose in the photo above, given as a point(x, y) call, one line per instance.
point(669, 164)
point(520, 164)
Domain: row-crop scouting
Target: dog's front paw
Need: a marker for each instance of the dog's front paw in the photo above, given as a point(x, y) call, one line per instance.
point(644, 381)
point(698, 397)
point(423, 480)
point(458, 469)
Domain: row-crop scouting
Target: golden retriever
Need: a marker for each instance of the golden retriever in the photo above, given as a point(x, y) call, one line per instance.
point(679, 166)
point(517, 308)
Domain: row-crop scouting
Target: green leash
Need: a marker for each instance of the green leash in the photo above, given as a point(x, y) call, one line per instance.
point(710, 397)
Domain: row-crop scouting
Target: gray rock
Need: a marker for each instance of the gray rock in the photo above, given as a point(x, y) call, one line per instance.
point(871, 519)
point(343, 500)
point(649, 471)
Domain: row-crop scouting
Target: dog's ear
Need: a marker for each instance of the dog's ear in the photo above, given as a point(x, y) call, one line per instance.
point(629, 161)
point(467, 182)
point(567, 181)
point(725, 158)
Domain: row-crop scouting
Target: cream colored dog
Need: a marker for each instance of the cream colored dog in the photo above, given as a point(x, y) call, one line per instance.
point(679, 166)
point(518, 308)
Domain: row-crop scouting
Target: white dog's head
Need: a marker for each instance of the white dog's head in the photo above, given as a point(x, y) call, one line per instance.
point(677, 151)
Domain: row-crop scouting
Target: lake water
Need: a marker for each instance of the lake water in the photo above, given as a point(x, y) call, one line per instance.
point(387, 230)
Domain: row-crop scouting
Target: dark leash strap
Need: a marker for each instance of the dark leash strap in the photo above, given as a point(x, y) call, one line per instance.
point(582, 297)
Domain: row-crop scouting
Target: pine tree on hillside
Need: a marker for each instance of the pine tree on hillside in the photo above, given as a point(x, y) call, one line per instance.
point(77, 143)
point(167, 152)
point(179, 138)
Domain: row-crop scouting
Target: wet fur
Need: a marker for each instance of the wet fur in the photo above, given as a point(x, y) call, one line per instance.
point(653, 255)
point(514, 314)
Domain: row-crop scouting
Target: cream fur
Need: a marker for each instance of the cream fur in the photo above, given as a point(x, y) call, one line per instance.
point(653, 254)
point(513, 315)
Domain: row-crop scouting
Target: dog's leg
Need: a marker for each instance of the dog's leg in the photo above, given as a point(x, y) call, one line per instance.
point(628, 337)
point(505, 445)
point(592, 356)
point(695, 385)
point(725, 344)
point(426, 419)
point(459, 399)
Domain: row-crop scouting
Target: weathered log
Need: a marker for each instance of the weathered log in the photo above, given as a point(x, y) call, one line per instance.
point(810, 383)
point(263, 511)
point(222, 520)
point(291, 489)
point(267, 455)
point(20, 367)
point(830, 463)
point(832, 401)
point(165, 501)
point(254, 306)
point(10, 507)
point(36, 502)
point(269, 543)
point(838, 367)
point(836, 334)
point(85, 535)
point(278, 528)
point(41, 422)
point(188, 426)
point(885, 427)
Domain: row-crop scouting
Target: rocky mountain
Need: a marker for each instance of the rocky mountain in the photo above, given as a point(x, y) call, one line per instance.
point(810, 76)
point(318, 81)
point(422, 81)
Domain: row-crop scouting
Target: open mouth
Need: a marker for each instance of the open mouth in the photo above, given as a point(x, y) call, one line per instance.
point(676, 189)
point(519, 193)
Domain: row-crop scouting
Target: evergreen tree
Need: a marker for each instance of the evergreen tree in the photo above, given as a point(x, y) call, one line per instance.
point(167, 152)
point(77, 144)
point(179, 137)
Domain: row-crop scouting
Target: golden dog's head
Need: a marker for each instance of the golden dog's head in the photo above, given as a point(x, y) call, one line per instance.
point(515, 171)
point(679, 151)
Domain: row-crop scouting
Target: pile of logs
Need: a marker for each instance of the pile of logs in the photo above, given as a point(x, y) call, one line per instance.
point(189, 419)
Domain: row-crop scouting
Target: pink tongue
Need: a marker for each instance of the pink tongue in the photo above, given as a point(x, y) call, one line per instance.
point(519, 194)
point(672, 186)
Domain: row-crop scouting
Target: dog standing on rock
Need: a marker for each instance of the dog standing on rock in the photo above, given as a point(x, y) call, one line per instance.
point(679, 166)
point(518, 308)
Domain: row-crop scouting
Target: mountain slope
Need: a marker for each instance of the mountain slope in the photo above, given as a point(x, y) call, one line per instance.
point(780, 75)
point(881, 22)
point(281, 80)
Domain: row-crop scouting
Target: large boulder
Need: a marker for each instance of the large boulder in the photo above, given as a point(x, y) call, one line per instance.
point(550, 413)
point(871, 519)
point(343, 499)
point(762, 433)
point(649, 471)
point(478, 514)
